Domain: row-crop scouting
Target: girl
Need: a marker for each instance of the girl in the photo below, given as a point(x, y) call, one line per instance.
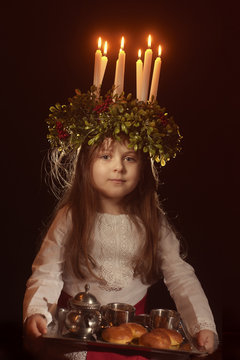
point(110, 232)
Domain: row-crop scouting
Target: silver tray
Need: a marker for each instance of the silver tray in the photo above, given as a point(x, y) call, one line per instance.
point(57, 335)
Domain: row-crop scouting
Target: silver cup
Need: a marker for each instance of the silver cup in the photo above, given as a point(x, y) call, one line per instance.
point(115, 314)
point(142, 319)
point(164, 318)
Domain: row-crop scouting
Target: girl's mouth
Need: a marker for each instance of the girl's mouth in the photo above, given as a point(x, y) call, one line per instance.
point(117, 180)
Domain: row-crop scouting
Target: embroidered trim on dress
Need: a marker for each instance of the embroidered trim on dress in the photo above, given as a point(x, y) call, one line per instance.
point(202, 325)
point(115, 254)
point(81, 355)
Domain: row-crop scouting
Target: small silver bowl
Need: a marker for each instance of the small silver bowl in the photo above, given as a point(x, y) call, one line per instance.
point(142, 319)
point(164, 318)
point(117, 313)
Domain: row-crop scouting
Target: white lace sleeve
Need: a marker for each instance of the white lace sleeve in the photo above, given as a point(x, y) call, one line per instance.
point(45, 284)
point(183, 285)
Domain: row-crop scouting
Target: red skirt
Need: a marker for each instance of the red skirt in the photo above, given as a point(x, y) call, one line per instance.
point(94, 355)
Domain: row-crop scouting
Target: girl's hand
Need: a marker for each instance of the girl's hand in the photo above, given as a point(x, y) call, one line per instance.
point(34, 327)
point(205, 338)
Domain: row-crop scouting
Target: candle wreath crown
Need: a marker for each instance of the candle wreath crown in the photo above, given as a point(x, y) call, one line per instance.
point(91, 118)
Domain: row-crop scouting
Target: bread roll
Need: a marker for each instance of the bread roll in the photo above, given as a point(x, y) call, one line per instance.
point(175, 337)
point(136, 329)
point(117, 335)
point(155, 340)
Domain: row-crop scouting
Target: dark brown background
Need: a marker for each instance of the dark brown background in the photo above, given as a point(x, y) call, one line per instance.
point(47, 52)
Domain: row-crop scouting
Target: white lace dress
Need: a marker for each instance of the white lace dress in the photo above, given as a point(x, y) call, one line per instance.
point(116, 243)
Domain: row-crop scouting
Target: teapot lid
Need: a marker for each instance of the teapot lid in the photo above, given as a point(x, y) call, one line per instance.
point(85, 300)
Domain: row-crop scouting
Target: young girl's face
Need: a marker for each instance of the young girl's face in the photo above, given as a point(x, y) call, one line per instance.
point(115, 170)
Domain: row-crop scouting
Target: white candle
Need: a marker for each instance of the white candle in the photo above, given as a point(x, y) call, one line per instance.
point(146, 71)
point(120, 70)
point(116, 73)
point(156, 75)
point(97, 64)
point(139, 69)
point(104, 61)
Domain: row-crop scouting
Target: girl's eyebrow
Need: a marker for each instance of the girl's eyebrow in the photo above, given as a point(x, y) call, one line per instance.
point(105, 150)
point(130, 152)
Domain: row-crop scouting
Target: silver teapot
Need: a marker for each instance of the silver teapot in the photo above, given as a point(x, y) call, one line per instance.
point(83, 318)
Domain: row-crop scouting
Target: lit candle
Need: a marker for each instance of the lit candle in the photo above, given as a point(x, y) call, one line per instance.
point(116, 73)
point(120, 70)
point(146, 71)
point(97, 64)
point(104, 61)
point(139, 69)
point(156, 75)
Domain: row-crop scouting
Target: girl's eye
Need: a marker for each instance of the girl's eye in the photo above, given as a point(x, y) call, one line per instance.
point(105, 157)
point(130, 159)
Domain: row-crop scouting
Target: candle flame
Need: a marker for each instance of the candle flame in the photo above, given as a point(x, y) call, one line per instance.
point(139, 53)
point(99, 42)
point(105, 48)
point(149, 41)
point(122, 42)
point(159, 50)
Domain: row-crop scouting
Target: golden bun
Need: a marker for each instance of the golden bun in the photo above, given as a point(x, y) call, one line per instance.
point(117, 335)
point(136, 329)
point(175, 337)
point(155, 340)
point(159, 338)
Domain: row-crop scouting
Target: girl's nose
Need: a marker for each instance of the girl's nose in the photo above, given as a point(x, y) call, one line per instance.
point(118, 165)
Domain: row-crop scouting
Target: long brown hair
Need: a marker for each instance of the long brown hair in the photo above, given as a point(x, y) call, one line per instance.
point(80, 198)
